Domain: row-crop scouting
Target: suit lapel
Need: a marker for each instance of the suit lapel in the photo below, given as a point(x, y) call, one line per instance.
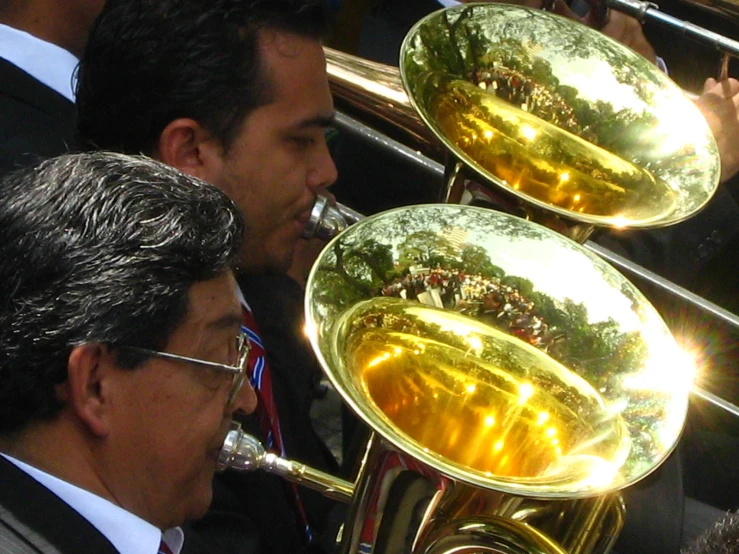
point(18, 84)
point(51, 519)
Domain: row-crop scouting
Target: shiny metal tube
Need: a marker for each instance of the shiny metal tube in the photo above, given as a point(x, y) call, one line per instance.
point(327, 221)
point(643, 11)
point(243, 452)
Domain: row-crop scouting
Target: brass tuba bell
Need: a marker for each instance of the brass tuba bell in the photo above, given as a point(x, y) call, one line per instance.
point(514, 382)
point(519, 377)
point(558, 123)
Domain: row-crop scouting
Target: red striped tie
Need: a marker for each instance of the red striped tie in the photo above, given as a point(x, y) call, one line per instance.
point(164, 549)
point(261, 379)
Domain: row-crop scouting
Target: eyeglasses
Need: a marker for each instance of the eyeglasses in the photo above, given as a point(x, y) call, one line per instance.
point(243, 346)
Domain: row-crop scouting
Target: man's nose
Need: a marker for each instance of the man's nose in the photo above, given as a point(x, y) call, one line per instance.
point(323, 173)
point(246, 399)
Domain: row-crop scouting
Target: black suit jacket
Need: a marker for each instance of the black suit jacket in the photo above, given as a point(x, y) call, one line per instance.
point(35, 520)
point(35, 121)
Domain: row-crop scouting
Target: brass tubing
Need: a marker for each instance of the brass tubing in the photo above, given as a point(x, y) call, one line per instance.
point(643, 11)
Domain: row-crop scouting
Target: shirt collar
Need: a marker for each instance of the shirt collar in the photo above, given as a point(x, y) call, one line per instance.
point(129, 534)
point(46, 62)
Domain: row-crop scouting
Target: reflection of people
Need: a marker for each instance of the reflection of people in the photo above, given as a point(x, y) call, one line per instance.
point(389, 21)
point(40, 43)
point(113, 267)
point(234, 92)
point(654, 507)
point(679, 252)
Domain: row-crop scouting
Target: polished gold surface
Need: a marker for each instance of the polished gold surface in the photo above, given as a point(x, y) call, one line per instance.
point(559, 115)
point(477, 396)
point(542, 160)
point(497, 351)
point(373, 92)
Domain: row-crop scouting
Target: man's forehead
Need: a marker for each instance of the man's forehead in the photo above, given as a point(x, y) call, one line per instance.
point(214, 304)
point(290, 60)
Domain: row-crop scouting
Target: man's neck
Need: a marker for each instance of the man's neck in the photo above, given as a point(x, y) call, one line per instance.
point(38, 446)
point(47, 21)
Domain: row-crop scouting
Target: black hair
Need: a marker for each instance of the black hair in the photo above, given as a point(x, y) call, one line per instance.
point(98, 248)
point(149, 62)
point(722, 538)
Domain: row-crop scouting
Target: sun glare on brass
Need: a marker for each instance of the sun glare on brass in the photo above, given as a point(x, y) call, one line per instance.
point(560, 115)
point(489, 359)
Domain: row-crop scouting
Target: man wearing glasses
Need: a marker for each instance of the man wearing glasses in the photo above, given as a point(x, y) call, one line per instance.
point(121, 359)
point(236, 93)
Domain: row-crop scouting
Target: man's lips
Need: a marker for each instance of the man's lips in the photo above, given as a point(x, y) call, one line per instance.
point(215, 451)
point(303, 218)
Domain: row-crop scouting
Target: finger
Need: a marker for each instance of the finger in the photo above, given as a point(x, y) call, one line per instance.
point(726, 88)
point(561, 8)
point(598, 15)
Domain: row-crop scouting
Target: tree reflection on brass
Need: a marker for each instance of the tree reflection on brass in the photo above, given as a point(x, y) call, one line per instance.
point(542, 160)
point(482, 338)
point(532, 100)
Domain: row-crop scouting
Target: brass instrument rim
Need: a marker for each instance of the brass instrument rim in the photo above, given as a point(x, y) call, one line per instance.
point(699, 196)
point(358, 401)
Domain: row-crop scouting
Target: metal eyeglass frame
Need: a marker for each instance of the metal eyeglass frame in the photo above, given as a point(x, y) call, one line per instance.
point(243, 347)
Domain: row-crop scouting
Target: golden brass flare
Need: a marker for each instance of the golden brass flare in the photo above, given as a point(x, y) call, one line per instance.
point(542, 160)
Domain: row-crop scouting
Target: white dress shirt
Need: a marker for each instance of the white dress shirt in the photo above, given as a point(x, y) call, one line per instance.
point(46, 62)
point(129, 534)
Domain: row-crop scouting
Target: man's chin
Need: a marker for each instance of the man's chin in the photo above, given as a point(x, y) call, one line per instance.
point(266, 260)
point(200, 507)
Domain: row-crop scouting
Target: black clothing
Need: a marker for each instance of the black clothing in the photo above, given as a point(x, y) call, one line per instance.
point(266, 500)
point(34, 520)
point(35, 121)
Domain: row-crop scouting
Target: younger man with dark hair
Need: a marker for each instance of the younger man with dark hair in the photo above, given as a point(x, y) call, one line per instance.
point(234, 92)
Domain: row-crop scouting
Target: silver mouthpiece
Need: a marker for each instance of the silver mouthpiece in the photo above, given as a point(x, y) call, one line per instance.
point(327, 221)
point(242, 451)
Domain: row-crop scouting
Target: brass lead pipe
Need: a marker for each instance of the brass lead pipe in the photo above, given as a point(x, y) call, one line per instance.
point(242, 451)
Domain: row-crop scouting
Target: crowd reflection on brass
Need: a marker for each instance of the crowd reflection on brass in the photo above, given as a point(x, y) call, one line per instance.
point(498, 350)
point(479, 397)
point(542, 160)
point(571, 121)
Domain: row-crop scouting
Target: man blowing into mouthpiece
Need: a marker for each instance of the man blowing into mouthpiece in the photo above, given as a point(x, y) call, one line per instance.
point(234, 92)
point(115, 269)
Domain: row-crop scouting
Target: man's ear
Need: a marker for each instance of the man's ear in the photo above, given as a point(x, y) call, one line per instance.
point(86, 388)
point(185, 145)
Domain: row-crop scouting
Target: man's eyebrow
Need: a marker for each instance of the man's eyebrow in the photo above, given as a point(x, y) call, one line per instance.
point(317, 121)
point(226, 322)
